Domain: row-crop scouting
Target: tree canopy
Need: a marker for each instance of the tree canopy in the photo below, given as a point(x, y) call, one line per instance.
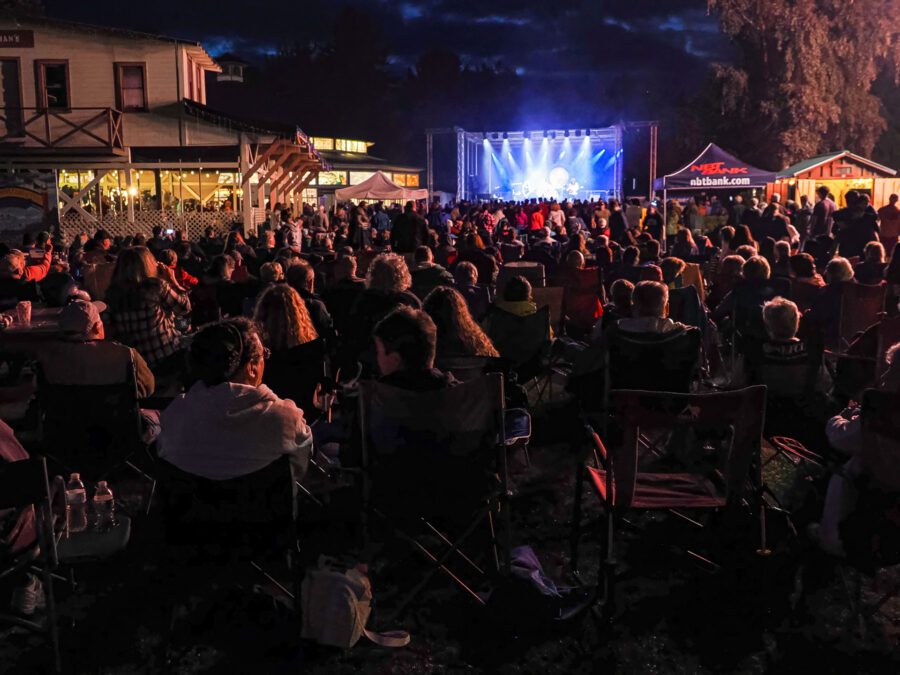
point(803, 80)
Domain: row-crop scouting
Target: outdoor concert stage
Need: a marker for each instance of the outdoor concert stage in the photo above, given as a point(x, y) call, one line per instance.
point(518, 165)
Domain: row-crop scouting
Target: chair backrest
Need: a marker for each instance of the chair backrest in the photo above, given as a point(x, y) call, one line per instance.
point(888, 336)
point(717, 434)
point(654, 361)
point(552, 298)
point(93, 423)
point(252, 511)
point(804, 294)
point(468, 368)
point(431, 443)
point(685, 306)
point(533, 271)
point(861, 306)
point(693, 276)
point(880, 453)
point(294, 373)
point(519, 338)
point(788, 369)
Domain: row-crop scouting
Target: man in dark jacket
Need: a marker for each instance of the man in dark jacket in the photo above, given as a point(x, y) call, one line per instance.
point(427, 275)
point(409, 231)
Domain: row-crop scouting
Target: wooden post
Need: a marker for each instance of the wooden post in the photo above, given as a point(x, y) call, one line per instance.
point(128, 190)
point(246, 194)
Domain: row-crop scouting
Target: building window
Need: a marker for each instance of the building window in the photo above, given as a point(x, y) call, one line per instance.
point(346, 145)
point(320, 143)
point(131, 87)
point(332, 178)
point(357, 177)
point(53, 84)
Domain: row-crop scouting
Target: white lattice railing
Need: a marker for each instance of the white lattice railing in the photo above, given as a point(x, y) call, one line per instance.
point(193, 223)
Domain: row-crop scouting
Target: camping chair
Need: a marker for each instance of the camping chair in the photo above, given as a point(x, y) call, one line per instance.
point(888, 336)
point(215, 529)
point(91, 428)
point(533, 271)
point(468, 368)
point(870, 535)
point(720, 436)
point(861, 306)
point(295, 373)
point(552, 298)
point(436, 457)
point(25, 484)
point(526, 342)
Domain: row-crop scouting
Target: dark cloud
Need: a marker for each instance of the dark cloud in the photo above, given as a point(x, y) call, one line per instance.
point(549, 40)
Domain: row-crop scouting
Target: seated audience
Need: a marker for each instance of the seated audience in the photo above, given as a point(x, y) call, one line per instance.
point(301, 277)
point(405, 349)
point(144, 302)
point(478, 297)
point(457, 332)
point(229, 423)
point(650, 309)
point(426, 274)
point(871, 269)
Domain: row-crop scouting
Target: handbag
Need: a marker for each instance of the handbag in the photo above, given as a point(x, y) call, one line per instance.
point(336, 604)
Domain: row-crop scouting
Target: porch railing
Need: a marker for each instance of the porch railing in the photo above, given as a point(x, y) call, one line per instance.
point(70, 128)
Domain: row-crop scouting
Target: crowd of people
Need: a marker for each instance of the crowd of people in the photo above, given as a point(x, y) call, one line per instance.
point(246, 329)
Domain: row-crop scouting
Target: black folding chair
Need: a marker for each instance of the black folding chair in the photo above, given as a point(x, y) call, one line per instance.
point(25, 484)
point(223, 529)
point(436, 457)
point(94, 429)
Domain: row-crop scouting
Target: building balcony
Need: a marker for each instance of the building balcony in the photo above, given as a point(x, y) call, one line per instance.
point(33, 131)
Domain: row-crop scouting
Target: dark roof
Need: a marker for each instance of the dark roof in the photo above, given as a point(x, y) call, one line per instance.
point(213, 154)
point(339, 159)
point(228, 57)
point(222, 119)
point(818, 160)
point(91, 28)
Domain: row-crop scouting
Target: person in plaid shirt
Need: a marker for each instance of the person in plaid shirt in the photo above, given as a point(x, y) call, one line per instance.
point(144, 300)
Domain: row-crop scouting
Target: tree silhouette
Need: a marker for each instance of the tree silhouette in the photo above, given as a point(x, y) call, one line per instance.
point(803, 81)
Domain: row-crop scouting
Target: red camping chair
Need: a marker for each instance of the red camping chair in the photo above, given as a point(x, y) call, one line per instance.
point(721, 435)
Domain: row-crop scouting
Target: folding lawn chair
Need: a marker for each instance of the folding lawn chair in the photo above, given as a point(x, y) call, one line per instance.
point(432, 458)
point(709, 462)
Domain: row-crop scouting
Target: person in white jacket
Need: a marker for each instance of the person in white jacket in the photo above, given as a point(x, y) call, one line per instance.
point(229, 423)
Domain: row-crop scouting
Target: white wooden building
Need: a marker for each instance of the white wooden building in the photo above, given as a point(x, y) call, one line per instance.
point(121, 118)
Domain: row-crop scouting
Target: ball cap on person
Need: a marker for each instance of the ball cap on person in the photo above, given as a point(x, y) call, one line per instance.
point(79, 316)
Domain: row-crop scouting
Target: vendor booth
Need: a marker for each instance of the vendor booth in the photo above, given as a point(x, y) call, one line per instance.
point(840, 172)
point(713, 169)
point(379, 188)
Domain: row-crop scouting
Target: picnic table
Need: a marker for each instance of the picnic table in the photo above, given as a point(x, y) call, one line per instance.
point(44, 326)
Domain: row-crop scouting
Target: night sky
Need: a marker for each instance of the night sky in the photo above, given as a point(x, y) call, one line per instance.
point(567, 42)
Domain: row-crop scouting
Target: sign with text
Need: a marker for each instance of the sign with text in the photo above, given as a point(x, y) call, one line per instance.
point(10, 39)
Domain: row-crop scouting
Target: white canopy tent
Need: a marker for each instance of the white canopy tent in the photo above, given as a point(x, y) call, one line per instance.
point(380, 188)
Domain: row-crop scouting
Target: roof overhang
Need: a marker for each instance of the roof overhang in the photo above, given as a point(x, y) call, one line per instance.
point(201, 57)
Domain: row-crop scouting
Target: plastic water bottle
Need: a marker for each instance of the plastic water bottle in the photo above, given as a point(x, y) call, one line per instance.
point(76, 504)
point(104, 506)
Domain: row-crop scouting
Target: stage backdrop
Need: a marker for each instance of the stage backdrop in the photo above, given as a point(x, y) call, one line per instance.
point(574, 164)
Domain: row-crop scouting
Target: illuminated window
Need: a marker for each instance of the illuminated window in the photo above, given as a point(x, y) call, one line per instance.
point(357, 177)
point(346, 145)
point(332, 178)
point(412, 180)
point(323, 143)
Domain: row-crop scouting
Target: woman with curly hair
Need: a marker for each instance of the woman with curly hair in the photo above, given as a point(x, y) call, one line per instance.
point(457, 332)
point(387, 287)
point(283, 319)
point(296, 356)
